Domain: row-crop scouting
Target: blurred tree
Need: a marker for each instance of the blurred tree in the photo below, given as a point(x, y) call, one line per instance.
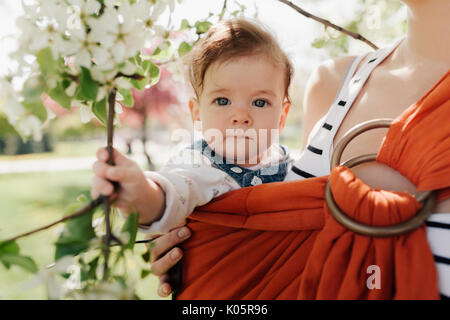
point(161, 102)
point(67, 125)
point(12, 144)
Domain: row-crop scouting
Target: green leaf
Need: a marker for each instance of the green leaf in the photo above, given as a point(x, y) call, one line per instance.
point(154, 73)
point(130, 226)
point(66, 83)
point(69, 248)
point(139, 84)
point(89, 87)
point(45, 60)
point(146, 256)
point(79, 94)
point(185, 24)
point(122, 280)
point(99, 108)
point(84, 197)
point(9, 247)
point(80, 228)
point(184, 48)
point(37, 108)
point(76, 235)
point(25, 263)
point(89, 271)
point(33, 89)
point(145, 273)
point(6, 127)
point(149, 70)
point(202, 26)
point(136, 59)
point(319, 43)
point(59, 95)
point(127, 97)
point(163, 54)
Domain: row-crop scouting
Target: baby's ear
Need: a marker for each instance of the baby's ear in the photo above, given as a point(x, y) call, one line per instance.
point(194, 108)
point(284, 113)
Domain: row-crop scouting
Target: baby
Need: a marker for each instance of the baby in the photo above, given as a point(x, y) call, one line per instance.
point(240, 77)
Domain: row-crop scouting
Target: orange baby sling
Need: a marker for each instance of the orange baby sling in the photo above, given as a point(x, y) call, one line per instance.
point(279, 240)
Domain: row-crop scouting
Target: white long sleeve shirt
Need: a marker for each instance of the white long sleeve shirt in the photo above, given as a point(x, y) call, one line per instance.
point(189, 180)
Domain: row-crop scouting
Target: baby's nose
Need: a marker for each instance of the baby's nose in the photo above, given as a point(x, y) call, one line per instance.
point(241, 118)
point(243, 121)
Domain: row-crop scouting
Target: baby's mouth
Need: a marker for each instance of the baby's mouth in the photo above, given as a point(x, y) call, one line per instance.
point(238, 136)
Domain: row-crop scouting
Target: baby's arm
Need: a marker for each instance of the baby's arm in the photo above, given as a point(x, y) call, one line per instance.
point(187, 184)
point(135, 192)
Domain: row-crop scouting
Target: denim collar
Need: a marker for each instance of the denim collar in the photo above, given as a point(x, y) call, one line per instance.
point(243, 176)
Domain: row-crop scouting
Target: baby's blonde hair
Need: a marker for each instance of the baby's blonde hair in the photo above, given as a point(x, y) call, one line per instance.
point(230, 39)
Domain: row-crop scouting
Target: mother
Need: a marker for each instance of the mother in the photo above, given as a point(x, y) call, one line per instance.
point(398, 77)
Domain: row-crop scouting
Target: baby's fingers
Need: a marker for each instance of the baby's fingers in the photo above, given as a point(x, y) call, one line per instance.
point(119, 159)
point(99, 168)
point(101, 187)
point(106, 171)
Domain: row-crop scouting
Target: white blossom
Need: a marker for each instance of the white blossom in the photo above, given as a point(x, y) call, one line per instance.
point(129, 68)
point(70, 91)
point(50, 114)
point(122, 82)
point(76, 31)
point(74, 280)
point(51, 279)
point(55, 10)
point(98, 222)
point(122, 236)
point(30, 125)
point(118, 108)
point(102, 76)
point(120, 31)
point(101, 93)
point(86, 113)
point(10, 102)
point(80, 45)
point(103, 58)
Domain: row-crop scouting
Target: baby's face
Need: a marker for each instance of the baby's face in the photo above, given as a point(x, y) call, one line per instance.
point(242, 107)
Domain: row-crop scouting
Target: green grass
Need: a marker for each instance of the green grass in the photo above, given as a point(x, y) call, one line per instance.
point(62, 149)
point(31, 200)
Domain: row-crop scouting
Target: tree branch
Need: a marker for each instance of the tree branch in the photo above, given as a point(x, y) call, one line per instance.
point(107, 201)
point(92, 205)
point(133, 76)
point(327, 23)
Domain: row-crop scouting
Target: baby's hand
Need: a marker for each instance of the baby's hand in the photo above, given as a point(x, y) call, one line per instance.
point(135, 192)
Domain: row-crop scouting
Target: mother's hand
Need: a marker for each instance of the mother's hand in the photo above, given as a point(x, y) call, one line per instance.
point(164, 255)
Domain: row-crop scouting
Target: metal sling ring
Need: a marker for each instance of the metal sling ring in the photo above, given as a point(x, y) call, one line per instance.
point(427, 198)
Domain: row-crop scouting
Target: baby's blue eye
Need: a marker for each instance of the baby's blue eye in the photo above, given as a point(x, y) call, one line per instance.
point(260, 103)
point(222, 101)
